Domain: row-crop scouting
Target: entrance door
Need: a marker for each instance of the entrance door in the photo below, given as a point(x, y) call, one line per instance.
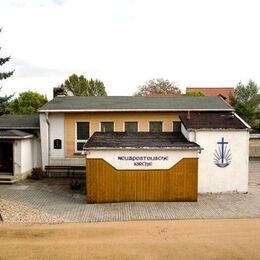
point(6, 158)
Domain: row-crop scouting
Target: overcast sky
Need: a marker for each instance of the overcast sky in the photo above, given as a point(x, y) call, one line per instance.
point(199, 43)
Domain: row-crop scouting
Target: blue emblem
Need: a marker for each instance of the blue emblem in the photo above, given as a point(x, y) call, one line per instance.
point(222, 155)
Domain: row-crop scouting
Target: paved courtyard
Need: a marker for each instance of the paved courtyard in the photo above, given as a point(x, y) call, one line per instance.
point(53, 196)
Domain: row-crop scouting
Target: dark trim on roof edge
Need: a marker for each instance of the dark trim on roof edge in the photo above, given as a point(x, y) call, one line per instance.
point(144, 148)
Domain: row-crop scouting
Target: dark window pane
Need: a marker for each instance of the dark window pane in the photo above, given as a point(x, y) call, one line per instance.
point(80, 146)
point(155, 126)
point(107, 126)
point(176, 126)
point(82, 130)
point(131, 126)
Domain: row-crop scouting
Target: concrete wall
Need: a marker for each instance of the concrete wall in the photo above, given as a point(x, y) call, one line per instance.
point(233, 177)
point(254, 147)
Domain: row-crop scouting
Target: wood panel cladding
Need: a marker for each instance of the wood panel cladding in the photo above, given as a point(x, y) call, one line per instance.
point(106, 184)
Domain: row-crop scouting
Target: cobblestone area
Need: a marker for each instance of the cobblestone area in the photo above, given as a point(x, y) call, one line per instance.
point(53, 197)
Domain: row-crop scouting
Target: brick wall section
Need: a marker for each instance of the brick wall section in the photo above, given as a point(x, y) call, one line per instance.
point(254, 147)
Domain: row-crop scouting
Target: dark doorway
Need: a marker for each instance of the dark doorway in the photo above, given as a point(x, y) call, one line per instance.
point(6, 158)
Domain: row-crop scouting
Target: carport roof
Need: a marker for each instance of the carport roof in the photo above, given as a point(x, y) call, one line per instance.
point(139, 140)
point(20, 122)
point(14, 134)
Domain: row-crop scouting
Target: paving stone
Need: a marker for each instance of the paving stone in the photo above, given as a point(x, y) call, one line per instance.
point(54, 197)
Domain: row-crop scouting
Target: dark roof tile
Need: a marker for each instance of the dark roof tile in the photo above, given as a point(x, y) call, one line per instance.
point(133, 103)
point(139, 140)
point(20, 122)
point(212, 120)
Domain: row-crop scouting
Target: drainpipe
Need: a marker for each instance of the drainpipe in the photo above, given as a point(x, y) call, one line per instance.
point(48, 125)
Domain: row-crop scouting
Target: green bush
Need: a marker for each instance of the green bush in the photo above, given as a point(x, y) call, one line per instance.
point(37, 173)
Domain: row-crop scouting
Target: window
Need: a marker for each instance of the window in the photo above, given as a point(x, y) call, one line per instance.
point(82, 135)
point(107, 127)
point(131, 127)
point(155, 126)
point(176, 126)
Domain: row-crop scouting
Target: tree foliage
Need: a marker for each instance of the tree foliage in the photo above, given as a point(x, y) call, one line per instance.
point(80, 86)
point(195, 94)
point(247, 103)
point(4, 75)
point(158, 87)
point(27, 103)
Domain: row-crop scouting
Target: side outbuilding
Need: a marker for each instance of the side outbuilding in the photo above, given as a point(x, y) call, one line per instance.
point(20, 146)
point(223, 163)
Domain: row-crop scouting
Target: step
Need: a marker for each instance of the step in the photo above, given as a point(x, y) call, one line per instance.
point(8, 179)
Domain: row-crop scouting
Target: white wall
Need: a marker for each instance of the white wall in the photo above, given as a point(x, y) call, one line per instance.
point(17, 146)
point(50, 132)
point(233, 177)
point(44, 139)
point(111, 156)
point(56, 132)
point(27, 155)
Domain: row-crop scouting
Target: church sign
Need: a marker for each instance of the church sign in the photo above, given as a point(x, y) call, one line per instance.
point(222, 155)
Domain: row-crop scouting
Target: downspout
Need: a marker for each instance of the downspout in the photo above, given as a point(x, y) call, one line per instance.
point(48, 125)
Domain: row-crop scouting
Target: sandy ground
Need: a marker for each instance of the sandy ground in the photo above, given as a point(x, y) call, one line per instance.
point(178, 239)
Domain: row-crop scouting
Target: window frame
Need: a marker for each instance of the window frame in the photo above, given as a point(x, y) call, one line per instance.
point(80, 140)
point(156, 121)
point(131, 121)
point(106, 121)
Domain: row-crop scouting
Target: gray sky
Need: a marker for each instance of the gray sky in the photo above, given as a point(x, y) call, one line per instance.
point(202, 43)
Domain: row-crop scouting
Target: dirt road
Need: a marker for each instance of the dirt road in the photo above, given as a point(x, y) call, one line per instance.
point(178, 239)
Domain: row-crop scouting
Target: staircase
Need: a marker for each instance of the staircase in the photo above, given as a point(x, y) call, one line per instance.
point(7, 179)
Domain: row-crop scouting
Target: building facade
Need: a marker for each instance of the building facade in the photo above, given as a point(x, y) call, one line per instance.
point(67, 124)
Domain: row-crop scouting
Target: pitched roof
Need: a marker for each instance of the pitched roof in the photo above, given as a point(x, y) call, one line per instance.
point(134, 103)
point(140, 140)
point(224, 92)
point(212, 120)
point(14, 134)
point(20, 122)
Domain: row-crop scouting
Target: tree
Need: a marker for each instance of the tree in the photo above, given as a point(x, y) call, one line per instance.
point(158, 87)
point(195, 94)
point(27, 103)
point(4, 75)
point(80, 86)
point(247, 103)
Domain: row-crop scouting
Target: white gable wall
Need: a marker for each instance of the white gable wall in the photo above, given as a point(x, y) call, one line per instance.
point(233, 177)
point(56, 132)
point(52, 127)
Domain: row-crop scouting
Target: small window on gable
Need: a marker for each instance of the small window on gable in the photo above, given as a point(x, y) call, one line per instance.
point(82, 135)
point(131, 127)
point(107, 127)
point(155, 126)
point(176, 126)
